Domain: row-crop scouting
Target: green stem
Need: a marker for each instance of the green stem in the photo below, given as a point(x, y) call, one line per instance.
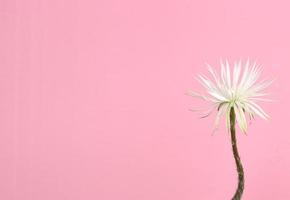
point(240, 170)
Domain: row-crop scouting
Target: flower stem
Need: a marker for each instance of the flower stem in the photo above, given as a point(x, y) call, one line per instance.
point(240, 170)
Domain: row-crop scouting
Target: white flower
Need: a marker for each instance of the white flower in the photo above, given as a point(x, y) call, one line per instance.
point(239, 90)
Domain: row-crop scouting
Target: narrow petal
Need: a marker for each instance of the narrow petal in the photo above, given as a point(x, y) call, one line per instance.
point(218, 96)
point(241, 118)
point(256, 94)
point(228, 112)
point(237, 70)
point(257, 110)
point(207, 113)
point(206, 82)
point(259, 99)
point(213, 73)
point(261, 86)
point(228, 74)
point(252, 78)
point(220, 113)
point(197, 95)
point(223, 74)
point(245, 74)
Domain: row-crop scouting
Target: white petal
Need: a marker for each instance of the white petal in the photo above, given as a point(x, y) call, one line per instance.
point(197, 95)
point(223, 74)
point(259, 99)
point(245, 74)
point(246, 108)
point(241, 118)
point(208, 112)
point(228, 112)
point(220, 113)
point(252, 77)
point(206, 83)
point(213, 73)
point(228, 74)
point(261, 86)
point(256, 94)
point(218, 96)
point(257, 110)
point(237, 70)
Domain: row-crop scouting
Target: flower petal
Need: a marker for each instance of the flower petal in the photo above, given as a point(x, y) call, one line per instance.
point(197, 95)
point(245, 74)
point(221, 111)
point(237, 70)
point(228, 74)
point(241, 118)
point(218, 96)
point(228, 123)
point(206, 82)
point(213, 73)
point(257, 110)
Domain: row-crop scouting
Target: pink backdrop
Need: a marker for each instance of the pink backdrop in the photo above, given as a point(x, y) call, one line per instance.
point(92, 99)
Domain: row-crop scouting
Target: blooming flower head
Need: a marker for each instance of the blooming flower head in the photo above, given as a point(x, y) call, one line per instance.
point(239, 89)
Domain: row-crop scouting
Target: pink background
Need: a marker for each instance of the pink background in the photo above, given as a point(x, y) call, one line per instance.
point(92, 99)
